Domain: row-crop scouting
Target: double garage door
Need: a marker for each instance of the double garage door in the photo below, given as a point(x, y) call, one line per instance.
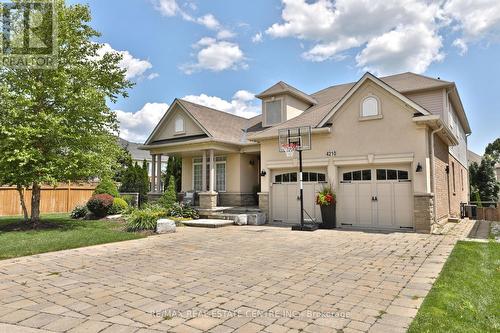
point(285, 198)
point(375, 198)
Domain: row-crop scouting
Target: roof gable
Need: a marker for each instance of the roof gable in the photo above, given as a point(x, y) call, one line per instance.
point(176, 105)
point(380, 83)
point(284, 88)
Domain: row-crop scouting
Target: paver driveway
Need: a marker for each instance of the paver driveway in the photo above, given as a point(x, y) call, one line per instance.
point(243, 279)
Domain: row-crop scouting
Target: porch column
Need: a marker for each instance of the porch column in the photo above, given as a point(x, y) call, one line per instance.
point(158, 174)
point(212, 171)
point(204, 172)
point(153, 172)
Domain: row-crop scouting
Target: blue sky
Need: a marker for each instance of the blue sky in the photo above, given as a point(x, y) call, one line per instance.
point(220, 53)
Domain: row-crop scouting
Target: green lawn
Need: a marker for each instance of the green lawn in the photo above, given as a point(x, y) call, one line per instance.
point(56, 232)
point(466, 296)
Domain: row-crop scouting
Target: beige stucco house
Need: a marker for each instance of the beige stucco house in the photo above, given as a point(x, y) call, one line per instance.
point(394, 149)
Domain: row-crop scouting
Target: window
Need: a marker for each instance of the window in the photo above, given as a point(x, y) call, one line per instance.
point(369, 107)
point(453, 175)
point(220, 174)
point(292, 177)
point(357, 175)
point(273, 112)
point(179, 125)
point(390, 174)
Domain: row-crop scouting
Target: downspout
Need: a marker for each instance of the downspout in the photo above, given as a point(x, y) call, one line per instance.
point(433, 172)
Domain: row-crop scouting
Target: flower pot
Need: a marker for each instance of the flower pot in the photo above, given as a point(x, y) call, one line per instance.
point(328, 217)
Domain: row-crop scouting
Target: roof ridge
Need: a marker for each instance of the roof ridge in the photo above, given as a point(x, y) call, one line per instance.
point(210, 108)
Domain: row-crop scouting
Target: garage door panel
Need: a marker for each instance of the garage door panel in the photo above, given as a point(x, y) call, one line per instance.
point(346, 206)
point(279, 204)
point(402, 201)
point(385, 206)
point(364, 204)
point(293, 208)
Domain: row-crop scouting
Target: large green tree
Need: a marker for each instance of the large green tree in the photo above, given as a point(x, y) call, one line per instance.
point(493, 149)
point(483, 180)
point(174, 168)
point(55, 125)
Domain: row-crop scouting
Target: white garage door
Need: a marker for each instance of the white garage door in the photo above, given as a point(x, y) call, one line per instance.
point(375, 198)
point(286, 196)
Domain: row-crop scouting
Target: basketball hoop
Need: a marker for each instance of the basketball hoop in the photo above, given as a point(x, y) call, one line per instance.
point(289, 149)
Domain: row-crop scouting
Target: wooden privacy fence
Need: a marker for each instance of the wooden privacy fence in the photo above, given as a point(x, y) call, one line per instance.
point(60, 199)
point(488, 213)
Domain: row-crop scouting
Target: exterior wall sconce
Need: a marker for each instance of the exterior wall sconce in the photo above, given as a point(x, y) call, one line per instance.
point(419, 167)
point(263, 173)
point(447, 169)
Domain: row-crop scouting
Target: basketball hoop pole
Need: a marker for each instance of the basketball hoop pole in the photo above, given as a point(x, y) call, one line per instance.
point(301, 191)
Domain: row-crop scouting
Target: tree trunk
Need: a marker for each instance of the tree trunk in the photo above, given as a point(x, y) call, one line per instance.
point(35, 204)
point(23, 202)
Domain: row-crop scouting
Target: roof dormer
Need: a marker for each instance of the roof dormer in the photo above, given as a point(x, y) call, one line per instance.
point(282, 102)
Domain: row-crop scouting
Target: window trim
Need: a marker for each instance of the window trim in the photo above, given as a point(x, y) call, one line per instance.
point(198, 160)
point(379, 108)
point(274, 99)
point(183, 130)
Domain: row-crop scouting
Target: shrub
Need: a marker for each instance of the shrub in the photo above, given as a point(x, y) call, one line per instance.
point(145, 219)
point(119, 206)
point(107, 186)
point(79, 212)
point(136, 180)
point(169, 197)
point(182, 210)
point(100, 204)
point(326, 197)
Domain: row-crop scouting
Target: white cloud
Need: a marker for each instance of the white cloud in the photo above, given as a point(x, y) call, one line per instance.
point(167, 7)
point(137, 126)
point(216, 56)
point(209, 21)
point(403, 49)
point(153, 76)
point(243, 103)
point(257, 38)
point(476, 20)
point(389, 35)
point(225, 34)
point(134, 67)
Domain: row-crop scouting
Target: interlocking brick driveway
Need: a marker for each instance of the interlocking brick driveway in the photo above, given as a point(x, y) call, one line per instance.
point(242, 279)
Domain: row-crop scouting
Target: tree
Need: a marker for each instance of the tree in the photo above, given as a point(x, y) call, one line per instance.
point(493, 149)
point(124, 160)
point(483, 180)
point(169, 197)
point(174, 168)
point(55, 125)
point(136, 180)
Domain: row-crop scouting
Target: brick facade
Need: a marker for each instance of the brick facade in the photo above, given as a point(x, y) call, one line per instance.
point(441, 158)
point(237, 199)
point(452, 182)
point(264, 203)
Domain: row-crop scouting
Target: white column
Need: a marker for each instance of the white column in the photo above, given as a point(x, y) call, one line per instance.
point(204, 172)
point(158, 174)
point(212, 171)
point(153, 172)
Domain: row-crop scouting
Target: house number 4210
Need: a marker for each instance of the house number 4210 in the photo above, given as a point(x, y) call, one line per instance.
point(331, 153)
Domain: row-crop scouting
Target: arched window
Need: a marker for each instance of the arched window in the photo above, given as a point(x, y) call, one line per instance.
point(179, 125)
point(370, 107)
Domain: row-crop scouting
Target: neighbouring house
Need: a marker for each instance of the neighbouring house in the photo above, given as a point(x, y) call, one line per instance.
point(473, 157)
point(139, 156)
point(394, 149)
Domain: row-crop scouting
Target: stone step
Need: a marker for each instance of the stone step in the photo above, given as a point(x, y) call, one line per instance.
point(208, 223)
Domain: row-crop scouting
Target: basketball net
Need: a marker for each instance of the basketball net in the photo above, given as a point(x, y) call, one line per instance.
point(289, 149)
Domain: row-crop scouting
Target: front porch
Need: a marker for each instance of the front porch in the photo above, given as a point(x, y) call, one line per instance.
point(215, 176)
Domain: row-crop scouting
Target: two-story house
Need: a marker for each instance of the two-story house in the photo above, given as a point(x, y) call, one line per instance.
point(394, 149)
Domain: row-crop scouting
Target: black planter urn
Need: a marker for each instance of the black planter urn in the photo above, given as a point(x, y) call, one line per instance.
point(328, 216)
